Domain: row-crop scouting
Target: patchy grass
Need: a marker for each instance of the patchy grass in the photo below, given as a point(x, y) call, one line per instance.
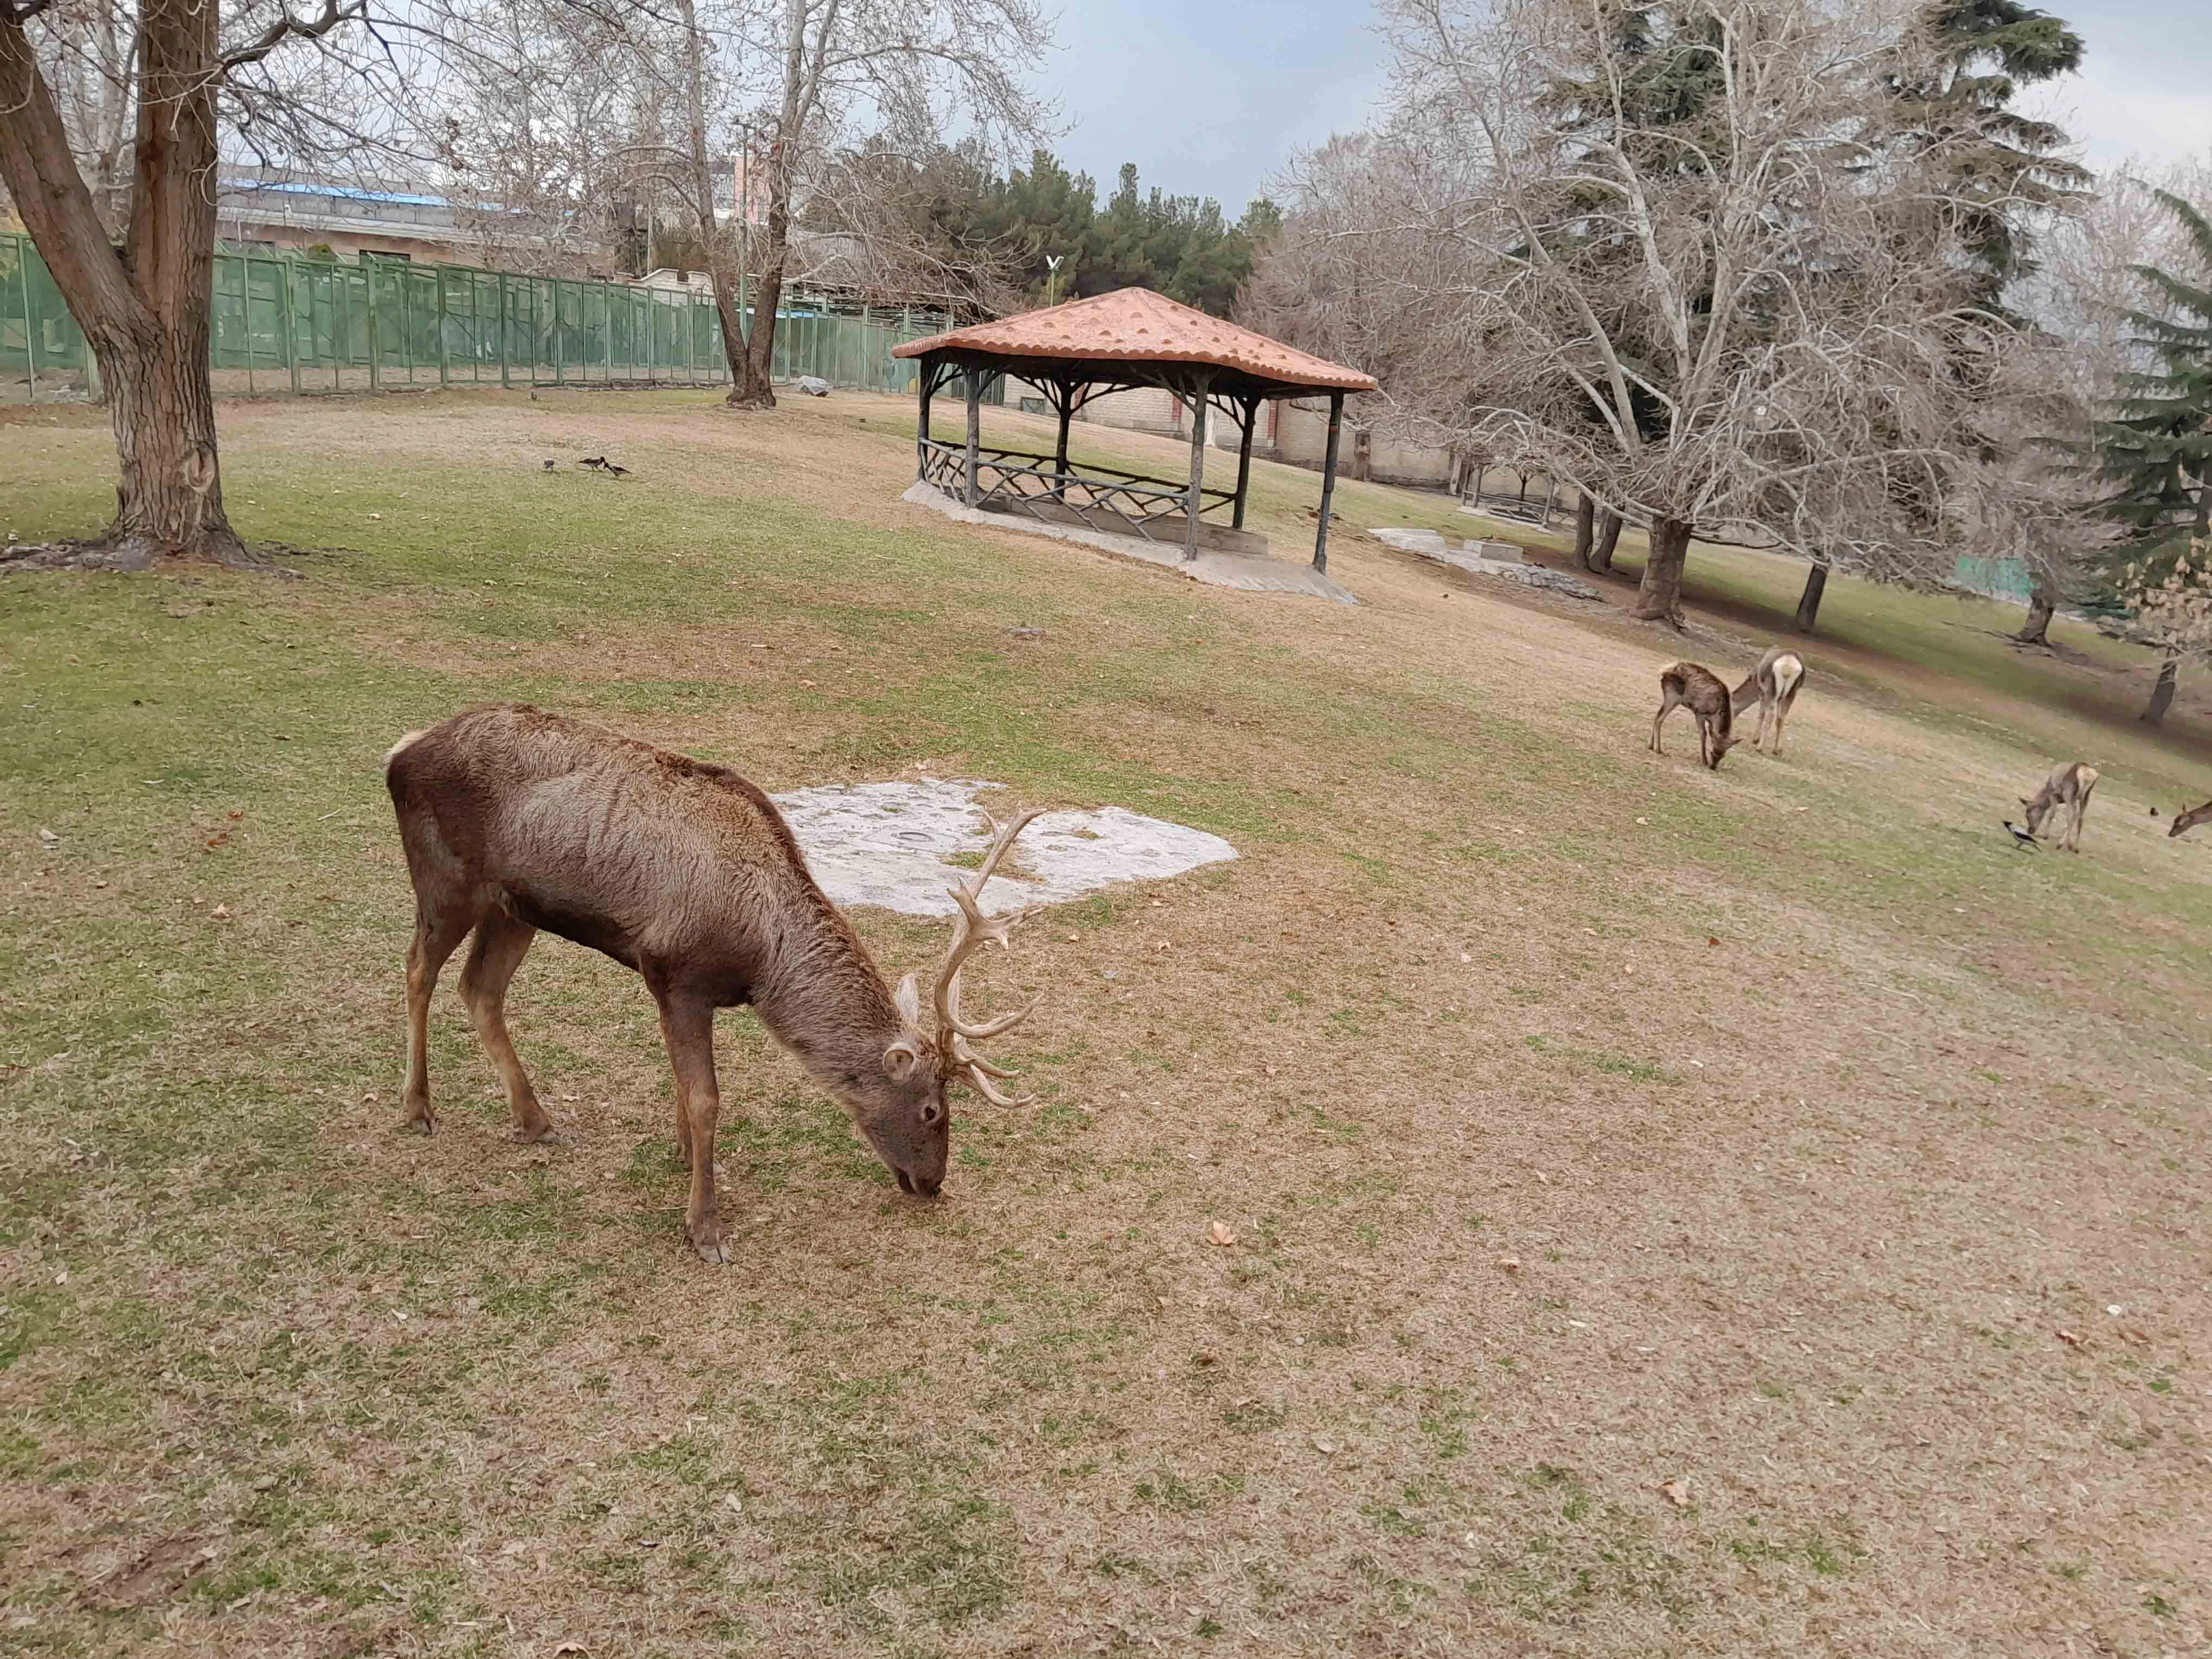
point(1808, 1112)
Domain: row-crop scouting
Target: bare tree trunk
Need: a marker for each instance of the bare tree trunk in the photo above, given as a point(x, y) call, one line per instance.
point(757, 389)
point(145, 315)
point(2036, 630)
point(2161, 695)
point(723, 271)
point(1585, 532)
point(1659, 598)
point(1808, 602)
point(1609, 538)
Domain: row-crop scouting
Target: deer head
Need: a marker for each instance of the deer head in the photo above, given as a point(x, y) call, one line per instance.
point(2188, 820)
point(903, 1113)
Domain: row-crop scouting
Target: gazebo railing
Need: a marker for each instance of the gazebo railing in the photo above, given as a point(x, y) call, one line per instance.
point(1016, 480)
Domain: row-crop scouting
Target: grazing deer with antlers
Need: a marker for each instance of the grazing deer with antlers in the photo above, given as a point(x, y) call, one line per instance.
point(2184, 821)
point(1775, 683)
point(1689, 685)
point(2068, 786)
point(516, 820)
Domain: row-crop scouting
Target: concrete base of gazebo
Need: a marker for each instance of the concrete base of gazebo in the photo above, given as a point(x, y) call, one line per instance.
point(1252, 572)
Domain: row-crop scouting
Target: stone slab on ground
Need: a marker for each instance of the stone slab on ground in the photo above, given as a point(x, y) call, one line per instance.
point(1251, 573)
point(889, 844)
point(1474, 558)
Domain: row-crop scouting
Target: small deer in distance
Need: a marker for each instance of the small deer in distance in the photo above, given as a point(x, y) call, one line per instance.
point(1689, 685)
point(516, 820)
point(2186, 821)
point(2068, 786)
point(1775, 684)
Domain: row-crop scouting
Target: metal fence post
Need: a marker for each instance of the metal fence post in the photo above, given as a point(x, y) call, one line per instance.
point(445, 351)
point(30, 329)
point(557, 368)
point(291, 313)
point(503, 379)
point(368, 285)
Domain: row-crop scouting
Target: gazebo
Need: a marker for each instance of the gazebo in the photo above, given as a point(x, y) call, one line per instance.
point(1084, 349)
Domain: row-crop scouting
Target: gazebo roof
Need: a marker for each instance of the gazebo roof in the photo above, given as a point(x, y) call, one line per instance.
point(1136, 325)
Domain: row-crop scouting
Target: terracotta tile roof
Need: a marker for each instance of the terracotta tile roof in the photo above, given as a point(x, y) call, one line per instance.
point(1134, 324)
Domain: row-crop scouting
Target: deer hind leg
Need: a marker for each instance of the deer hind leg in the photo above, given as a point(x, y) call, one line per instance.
point(501, 942)
point(438, 933)
point(1665, 708)
point(687, 1028)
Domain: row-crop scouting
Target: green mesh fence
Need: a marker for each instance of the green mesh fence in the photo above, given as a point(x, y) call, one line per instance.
point(290, 322)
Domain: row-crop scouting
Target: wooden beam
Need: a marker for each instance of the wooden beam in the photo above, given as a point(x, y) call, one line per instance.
point(975, 427)
point(1059, 450)
point(1244, 460)
point(926, 383)
point(1328, 480)
point(1195, 501)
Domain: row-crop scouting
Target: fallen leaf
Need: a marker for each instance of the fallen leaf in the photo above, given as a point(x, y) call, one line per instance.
point(50, 838)
point(569, 1647)
point(1203, 1357)
point(1510, 1263)
point(368, 1097)
point(1677, 1494)
point(1221, 1233)
point(379, 515)
point(1644, 820)
point(217, 838)
point(1713, 941)
point(1326, 1448)
point(2067, 1337)
point(220, 912)
point(234, 816)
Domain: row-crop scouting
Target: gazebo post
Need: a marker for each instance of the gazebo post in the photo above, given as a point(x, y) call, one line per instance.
point(1328, 480)
point(927, 383)
point(1244, 460)
point(1060, 449)
point(974, 428)
point(1195, 500)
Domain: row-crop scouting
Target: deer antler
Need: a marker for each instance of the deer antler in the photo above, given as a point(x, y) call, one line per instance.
point(970, 935)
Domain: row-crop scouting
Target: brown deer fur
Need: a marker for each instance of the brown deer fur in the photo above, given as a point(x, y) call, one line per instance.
point(1775, 684)
point(1688, 685)
point(2188, 820)
point(2068, 786)
point(516, 820)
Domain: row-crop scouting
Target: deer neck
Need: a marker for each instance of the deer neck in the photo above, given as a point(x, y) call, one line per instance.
point(824, 1000)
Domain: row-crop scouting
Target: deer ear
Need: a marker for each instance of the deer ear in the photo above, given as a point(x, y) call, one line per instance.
point(2025, 801)
point(908, 999)
point(900, 1060)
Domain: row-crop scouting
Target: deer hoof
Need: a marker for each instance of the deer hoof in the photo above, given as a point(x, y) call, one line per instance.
point(714, 1251)
point(421, 1122)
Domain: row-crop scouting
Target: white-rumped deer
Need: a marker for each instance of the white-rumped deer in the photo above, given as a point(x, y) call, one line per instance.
point(1697, 688)
point(2185, 821)
point(2068, 786)
point(516, 820)
point(1775, 684)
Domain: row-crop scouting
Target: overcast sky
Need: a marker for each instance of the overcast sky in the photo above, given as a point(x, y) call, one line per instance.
point(1210, 97)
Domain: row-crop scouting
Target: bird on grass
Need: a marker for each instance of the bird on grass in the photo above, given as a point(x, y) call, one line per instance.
point(614, 471)
point(2021, 838)
point(548, 466)
point(592, 460)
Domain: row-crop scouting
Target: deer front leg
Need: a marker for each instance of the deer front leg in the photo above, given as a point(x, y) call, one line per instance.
point(687, 1026)
point(436, 935)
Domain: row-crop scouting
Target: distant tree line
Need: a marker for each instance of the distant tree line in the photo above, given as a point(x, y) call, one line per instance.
point(998, 232)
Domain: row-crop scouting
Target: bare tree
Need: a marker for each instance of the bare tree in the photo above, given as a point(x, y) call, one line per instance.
point(188, 66)
point(792, 87)
point(1668, 255)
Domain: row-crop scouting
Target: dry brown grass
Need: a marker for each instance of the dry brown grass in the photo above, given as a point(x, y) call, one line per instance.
point(1811, 1113)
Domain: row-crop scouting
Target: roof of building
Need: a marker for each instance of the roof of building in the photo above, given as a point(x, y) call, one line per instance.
point(1136, 325)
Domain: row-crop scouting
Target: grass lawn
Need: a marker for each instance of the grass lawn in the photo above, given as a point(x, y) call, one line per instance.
point(1751, 1212)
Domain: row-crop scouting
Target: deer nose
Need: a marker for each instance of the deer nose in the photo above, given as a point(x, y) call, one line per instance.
point(922, 1186)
